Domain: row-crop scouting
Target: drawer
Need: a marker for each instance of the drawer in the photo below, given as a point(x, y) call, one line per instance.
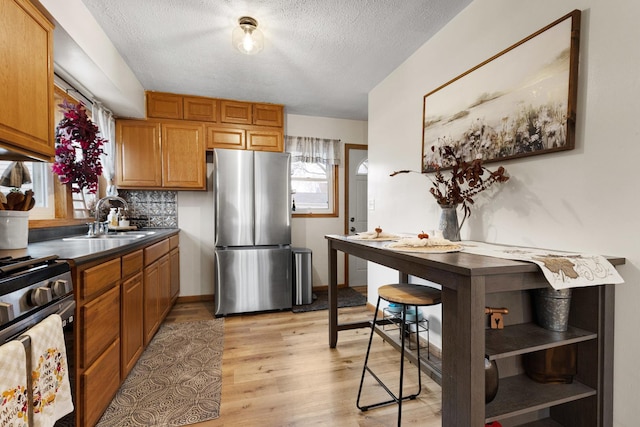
point(155, 251)
point(100, 325)
point(99, 278)
point(174, 241)
point(131, 263)
point(99, 384)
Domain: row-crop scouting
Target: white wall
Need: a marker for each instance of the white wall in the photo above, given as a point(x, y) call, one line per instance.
point(580, 200)
point(310, 232)
point(196, 223)
point(84, 55)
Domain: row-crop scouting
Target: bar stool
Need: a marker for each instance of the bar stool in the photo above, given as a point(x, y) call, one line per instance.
point(405, 295)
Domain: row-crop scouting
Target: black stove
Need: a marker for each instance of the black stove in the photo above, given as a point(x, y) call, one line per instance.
point(30, 284)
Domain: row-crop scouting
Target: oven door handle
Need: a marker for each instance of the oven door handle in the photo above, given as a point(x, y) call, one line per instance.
point(64, 307)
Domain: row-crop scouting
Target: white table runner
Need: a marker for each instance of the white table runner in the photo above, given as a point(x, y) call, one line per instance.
point(562, 269)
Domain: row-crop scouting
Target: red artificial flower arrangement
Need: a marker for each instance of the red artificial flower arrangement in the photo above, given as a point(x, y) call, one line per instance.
point(78, 149)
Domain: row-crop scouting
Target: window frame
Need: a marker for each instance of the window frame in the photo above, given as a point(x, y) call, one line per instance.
point(62, 196)
point(333, 210)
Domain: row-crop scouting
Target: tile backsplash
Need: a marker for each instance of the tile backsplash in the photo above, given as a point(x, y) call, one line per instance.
point(152, 209)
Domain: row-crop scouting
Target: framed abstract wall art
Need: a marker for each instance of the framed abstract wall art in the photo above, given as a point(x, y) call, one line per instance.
point(521, 102)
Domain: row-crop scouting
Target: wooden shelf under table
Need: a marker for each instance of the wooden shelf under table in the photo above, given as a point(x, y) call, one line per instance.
point(528, 337)
point(519, 395)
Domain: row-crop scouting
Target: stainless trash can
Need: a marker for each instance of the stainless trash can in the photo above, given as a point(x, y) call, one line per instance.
point(302, 276)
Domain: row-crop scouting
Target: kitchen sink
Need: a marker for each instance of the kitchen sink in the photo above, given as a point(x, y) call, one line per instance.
point(111, 236)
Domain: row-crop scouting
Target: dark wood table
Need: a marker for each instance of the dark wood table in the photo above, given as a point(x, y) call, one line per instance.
point(466, 280)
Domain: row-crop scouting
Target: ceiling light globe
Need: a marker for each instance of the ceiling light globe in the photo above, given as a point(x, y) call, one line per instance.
point(246, 37)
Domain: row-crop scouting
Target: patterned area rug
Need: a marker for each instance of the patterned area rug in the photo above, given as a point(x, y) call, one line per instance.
point(177, 380)
point(347, 297)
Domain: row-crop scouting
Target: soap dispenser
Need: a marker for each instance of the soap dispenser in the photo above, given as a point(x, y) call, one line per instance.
point(112, 218)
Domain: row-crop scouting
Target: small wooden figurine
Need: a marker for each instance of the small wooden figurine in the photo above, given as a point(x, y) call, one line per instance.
point(496, 320)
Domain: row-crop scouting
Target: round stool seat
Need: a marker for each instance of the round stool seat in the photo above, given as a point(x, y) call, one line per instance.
point(402, 293)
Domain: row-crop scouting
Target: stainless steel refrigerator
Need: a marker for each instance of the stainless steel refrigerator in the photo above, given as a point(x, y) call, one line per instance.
point(253, 231)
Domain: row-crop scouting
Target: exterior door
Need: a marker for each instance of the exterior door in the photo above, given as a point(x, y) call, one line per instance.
point(357, 209)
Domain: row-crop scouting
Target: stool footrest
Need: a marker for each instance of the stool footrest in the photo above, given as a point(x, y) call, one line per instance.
point(394, 398)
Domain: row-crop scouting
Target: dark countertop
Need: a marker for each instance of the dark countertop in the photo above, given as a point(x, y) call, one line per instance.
point(87, 250)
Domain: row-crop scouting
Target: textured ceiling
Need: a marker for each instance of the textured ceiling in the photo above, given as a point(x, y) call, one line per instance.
point(321, 57)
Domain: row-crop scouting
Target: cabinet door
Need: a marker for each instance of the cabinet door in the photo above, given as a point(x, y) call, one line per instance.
point(175, 272)
point(139, 159)
point(26, 76)
point(164, 105)
point(265, 140)
point(267, 115)
point(164, 301)
point(235, 112)
point(183, 156)
point(226, 137)
point(98, 385)
point(100, 325)
point(132, 338)
point(200, 109)
point(151, 283)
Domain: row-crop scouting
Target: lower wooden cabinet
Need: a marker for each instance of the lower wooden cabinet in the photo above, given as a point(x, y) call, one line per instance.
point(175, 272)
point(151, 297)
point(157, 287)
point(132, 334)
point(121, 303)
point(98, 385)
point(164, 300)
point(101, 325)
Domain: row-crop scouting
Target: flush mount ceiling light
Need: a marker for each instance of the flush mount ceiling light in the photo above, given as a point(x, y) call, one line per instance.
point(246, 37)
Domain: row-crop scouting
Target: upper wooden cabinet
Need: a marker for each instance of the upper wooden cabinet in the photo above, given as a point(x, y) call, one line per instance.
point(226, 136)
point(265, 140)
point(160, 154)
point(26, 80)
point(200, 108)
point(228, 124)
point(139, 159)
point(183, 156)
point(267, 115)
point(162, 105)
point(236, 112)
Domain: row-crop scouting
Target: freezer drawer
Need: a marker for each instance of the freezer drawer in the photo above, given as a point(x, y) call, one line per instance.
point(252, 279)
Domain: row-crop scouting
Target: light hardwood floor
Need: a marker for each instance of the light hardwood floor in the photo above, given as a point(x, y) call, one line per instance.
point(278, 370)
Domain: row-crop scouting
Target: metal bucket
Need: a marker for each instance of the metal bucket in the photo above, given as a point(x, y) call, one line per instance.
point(552, 308)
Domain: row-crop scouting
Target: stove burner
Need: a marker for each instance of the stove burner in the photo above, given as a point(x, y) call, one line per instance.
point(11, 266)
point(7, 260)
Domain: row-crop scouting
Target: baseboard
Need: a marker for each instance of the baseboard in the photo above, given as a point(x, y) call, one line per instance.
point(194, 298)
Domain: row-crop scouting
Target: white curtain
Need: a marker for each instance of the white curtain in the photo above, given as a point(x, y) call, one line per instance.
point(103, 118)
point(313, 150)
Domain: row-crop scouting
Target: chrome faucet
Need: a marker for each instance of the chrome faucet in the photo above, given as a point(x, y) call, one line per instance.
point(98, 228)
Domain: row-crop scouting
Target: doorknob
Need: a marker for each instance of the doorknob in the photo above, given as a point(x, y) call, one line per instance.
point(352, 229)
point(352, 219)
